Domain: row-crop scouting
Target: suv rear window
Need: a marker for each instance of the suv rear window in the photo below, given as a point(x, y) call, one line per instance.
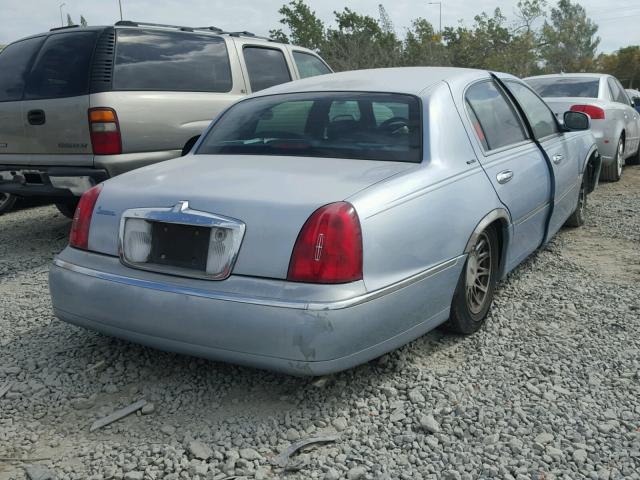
point(565, 87)
point(14, 61)
point(171, 61)
point(332, 125)
point(62, 66)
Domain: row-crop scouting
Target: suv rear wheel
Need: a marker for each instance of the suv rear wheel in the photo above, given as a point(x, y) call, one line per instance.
point(68, 208)
point(7, 201)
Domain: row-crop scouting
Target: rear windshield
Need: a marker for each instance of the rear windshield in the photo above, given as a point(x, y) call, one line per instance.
point(365, 126)
point(565, 87)
point(171, 61)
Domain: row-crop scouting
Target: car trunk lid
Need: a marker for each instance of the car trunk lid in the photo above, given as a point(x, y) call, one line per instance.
point(273, 196)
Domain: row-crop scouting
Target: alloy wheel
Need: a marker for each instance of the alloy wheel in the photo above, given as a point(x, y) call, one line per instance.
point(478, 274)
point(619, 157)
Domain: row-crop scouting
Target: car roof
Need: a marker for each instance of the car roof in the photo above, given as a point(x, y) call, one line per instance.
point(570, 75)
point(407, 80)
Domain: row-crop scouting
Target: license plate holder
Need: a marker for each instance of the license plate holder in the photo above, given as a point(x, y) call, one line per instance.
point(180, 246)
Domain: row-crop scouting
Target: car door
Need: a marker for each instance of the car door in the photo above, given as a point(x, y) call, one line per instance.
point(565, 160)
point(513, 163)
point(264, 66)
point(627, 114)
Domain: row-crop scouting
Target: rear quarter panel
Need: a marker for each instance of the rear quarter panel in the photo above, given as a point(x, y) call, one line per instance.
point(425, 216)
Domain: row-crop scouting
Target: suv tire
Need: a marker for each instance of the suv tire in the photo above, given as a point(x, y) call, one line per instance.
point(7, 201)
point(68, 208)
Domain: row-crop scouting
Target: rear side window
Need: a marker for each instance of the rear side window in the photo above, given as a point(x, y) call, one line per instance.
point(309, 65)
point(565, 87)
point(497, 124)
point(171, 61)
point(327, 125)
point(62, 67)
point(266, 66)
point(14, 62)
point(617, 93)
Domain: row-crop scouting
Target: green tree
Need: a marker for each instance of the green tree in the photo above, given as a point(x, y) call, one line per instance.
point(624, 64)
point(359, 41)
point(422, 46)
point(83, 21)
point(305, 28)
point(569, 40)
point(69, 21)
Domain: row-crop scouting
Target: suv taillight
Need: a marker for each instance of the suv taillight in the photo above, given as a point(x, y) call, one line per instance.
point(79, 236)
point(596, 113)
point(105, 131)
point(329, 247)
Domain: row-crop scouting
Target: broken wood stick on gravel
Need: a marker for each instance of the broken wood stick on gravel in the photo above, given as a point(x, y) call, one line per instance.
point(5, 388)
point(117, 415)
point(282, 459)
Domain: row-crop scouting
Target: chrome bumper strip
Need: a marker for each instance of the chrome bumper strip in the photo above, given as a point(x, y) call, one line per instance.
point(262, 301)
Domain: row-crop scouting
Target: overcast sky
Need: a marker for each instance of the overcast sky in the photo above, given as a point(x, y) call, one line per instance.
point(619, 20)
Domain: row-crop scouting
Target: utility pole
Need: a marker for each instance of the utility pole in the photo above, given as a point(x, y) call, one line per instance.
point(440, 8)
point(120, 5)
point(61, 20)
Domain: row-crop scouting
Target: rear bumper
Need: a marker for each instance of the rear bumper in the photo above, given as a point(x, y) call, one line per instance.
point(46, 181)
point(286, 332)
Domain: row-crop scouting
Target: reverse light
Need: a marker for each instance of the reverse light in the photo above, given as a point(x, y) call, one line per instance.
point(79, 236)
point(105, 131)
point(329, 247)
point(137, 240)
point(596, 113)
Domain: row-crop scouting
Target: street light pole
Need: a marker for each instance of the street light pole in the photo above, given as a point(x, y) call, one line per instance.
point(440, 9)
point(61, 20)
point(120, 5)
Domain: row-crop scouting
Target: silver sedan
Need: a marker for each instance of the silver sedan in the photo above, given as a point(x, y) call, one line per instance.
point(615, 122)
point(321, 223)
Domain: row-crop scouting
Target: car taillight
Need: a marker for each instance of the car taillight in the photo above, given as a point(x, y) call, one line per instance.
point(79, 236)
point(105, 131)
point(596, 113)
point(329, 247)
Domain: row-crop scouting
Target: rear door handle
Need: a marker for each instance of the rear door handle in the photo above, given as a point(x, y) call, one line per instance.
point(504, 177)
point(36, 117)
point(557, 159)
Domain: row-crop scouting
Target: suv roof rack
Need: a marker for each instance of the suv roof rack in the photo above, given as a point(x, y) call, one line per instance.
point(212, 29)
point(63, 28)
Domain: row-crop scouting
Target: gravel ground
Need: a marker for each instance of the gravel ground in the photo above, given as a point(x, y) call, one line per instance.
point(549, 389)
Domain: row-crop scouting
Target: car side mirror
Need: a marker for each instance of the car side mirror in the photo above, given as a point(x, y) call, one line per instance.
point(577, 121)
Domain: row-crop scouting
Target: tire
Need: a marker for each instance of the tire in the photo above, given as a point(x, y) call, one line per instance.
point(577, 217)
point(468, 311)
point(613, 172)
point(7, 201)
point(68, 208)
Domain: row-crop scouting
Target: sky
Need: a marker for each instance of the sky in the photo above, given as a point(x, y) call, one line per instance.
point(619, 20)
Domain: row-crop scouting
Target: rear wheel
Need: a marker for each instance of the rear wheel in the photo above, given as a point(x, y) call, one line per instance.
point(7, 201)
point(474, 292)
point(613, 172)
point(68, 208)
point(577, 217)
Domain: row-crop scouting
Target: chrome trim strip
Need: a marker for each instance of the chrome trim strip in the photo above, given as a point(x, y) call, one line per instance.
point(262, 301)
point(182, 214)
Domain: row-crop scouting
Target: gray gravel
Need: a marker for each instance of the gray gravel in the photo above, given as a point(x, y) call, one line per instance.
point(549, 389)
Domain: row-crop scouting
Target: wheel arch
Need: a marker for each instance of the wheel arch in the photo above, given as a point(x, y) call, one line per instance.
point(501, 220)
point(591, 168)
